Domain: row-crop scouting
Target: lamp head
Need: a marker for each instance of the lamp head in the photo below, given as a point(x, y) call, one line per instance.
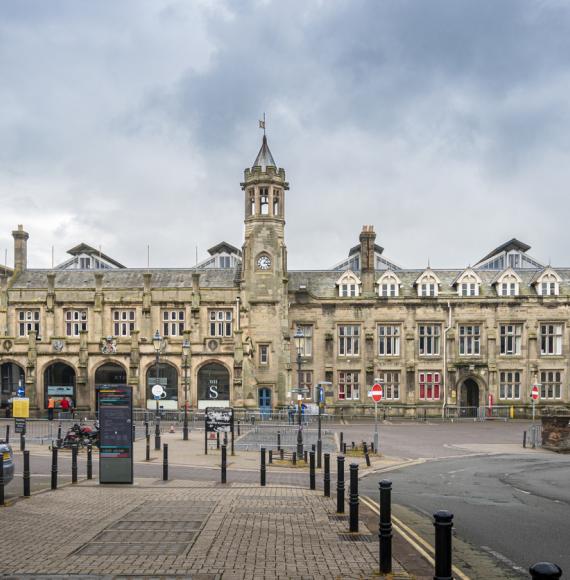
point(299, 336)
point(157, 341)
point(186, 347)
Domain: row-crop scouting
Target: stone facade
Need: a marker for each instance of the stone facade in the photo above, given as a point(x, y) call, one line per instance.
point(435, 338)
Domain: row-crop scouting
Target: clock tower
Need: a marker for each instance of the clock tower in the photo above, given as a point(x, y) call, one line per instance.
point(264, 281)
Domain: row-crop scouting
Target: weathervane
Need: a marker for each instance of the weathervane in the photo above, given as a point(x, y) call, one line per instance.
point(262, 124)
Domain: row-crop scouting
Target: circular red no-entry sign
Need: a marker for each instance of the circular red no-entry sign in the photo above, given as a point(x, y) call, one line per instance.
point(534, 393)
point(377, 393)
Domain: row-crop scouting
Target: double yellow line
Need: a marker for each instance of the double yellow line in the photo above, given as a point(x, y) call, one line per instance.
point(415, 540)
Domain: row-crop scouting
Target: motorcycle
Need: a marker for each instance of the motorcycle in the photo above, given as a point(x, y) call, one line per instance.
point(82, 435)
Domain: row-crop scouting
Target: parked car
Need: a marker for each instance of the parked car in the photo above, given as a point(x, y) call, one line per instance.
point(8, 454)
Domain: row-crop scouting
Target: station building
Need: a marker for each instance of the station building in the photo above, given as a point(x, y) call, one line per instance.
point(436, 339)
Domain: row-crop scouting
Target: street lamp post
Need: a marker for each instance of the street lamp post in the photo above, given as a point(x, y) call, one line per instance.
point(185, 354)
point(299, 339)
point(321, 402)
point(157, 344)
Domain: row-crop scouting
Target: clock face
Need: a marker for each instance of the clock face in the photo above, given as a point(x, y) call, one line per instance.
point(264, 262)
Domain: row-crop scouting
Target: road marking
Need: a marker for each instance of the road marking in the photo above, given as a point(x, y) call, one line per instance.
point(521, 490)
point(414, 539)
point(504, 559)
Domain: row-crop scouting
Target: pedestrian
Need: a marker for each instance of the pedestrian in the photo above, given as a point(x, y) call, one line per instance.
point(65, 405)
point(50, 407)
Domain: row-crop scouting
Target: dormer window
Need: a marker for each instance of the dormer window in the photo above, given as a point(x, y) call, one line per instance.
point(428, 284)
point(468, 283)
point(348, 285)
point(388, 285)
point(508, 283)
point(547, 283)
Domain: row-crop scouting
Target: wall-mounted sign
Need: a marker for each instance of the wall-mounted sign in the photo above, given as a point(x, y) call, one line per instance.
point(59, 391)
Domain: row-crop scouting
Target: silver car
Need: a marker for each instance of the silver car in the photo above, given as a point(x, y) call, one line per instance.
point(8, 455)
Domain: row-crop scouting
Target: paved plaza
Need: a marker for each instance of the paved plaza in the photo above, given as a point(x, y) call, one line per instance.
point(184, 528)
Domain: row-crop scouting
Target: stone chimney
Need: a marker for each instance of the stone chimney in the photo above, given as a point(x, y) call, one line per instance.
point(20, 249)
point(367, 239)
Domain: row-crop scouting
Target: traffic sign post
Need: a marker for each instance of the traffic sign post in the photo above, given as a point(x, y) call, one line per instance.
point(376, 393)
point(535, 394)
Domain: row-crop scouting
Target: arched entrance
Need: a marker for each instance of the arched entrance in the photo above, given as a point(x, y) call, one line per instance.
point(12, 377)
point(469, 398)
point(264, 398)
point(59, 382)
point(213, 386)
point(168, 378)
point(109, 373)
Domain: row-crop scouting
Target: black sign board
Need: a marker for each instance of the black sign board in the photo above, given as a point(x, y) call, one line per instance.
point(20, 426)
point(115, 433)
point(219, 419)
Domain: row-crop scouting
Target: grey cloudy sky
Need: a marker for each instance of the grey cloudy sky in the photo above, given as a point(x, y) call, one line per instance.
point(446, 124)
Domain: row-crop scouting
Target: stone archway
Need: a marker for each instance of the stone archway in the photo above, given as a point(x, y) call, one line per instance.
point(59, 382)
point(12, 377)
point(469, 397)
point(213, 386)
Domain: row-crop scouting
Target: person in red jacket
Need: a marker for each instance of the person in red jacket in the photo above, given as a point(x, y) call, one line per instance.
point(65, 405)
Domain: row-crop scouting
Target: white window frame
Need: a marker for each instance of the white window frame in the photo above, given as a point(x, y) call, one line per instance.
point(469, 340)
point(173, 321)
point(429, 339)
point(348, 386)
point(29, 319)
point(75, 321)
point(389, 340)
point(550, 385)
point(510, 335)
point(124, 321)
point(264, 354)
point(551, 335)
point(510, 385)
point(431, 381)
point(467, 289)
point(220, 322)
point(390, 381)
point(307, 342)
point(348, 340)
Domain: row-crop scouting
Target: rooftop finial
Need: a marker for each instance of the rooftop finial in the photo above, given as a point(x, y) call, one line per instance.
point(262, 124)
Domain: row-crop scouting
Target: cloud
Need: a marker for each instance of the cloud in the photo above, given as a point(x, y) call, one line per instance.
point(129, 123)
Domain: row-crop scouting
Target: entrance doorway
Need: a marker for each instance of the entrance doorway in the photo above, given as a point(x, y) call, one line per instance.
point(264, 397)
point(11, 379)
point(59, 382)
point(469, 400)
point(213, 386)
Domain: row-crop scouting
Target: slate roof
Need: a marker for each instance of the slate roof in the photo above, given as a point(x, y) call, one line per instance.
point(84, 248)
point(264, 158)
point(321, 284)
point(128, 278)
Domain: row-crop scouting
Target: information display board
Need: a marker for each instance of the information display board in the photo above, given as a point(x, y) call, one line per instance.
point(20, 426)
point(219, 420)
point(115, 433)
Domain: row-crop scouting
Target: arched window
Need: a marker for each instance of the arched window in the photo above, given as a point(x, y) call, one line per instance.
point(388, 285)
point(59, 382)
point(348, 284)
point(276, 204)
point(264, 201)
point(167, 377)
point(12, 377)
point(213, 386)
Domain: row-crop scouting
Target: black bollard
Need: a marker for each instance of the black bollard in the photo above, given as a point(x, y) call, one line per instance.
point(294, 458)
point(278, 440)
point(305, 456)
point(281, 454)
point(344, 449)
point(372, 446)
point(524, 439)
point(341, 441)
point(1, 479)
point(22, 442)
point(366, 456)
point(312, 483)
point(148, 447)
point(319, 453)
point(74, 463)
point(157, 443)
point(26, 477)
point(544, 571)
point(239, 430)
point(59, 439)
point(262, 467)
point(327, 477)
point(224, 463)
point(54, 468)
point(443, 522)
point(385, 527)
point(340, 484)
point(165, 462)
point(7, 434)
point(218, 440)
point(146, 431)
point(89, 461)
point(353, 498)
point(270, 456)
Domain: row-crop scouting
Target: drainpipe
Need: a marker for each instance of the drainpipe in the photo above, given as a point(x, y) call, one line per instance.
point(238, 321)
point(445, 331)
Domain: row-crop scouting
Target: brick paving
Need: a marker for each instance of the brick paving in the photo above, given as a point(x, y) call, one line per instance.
point(182, 528)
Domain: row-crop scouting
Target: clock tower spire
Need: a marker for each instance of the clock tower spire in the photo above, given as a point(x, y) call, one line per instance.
point(264, 281)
